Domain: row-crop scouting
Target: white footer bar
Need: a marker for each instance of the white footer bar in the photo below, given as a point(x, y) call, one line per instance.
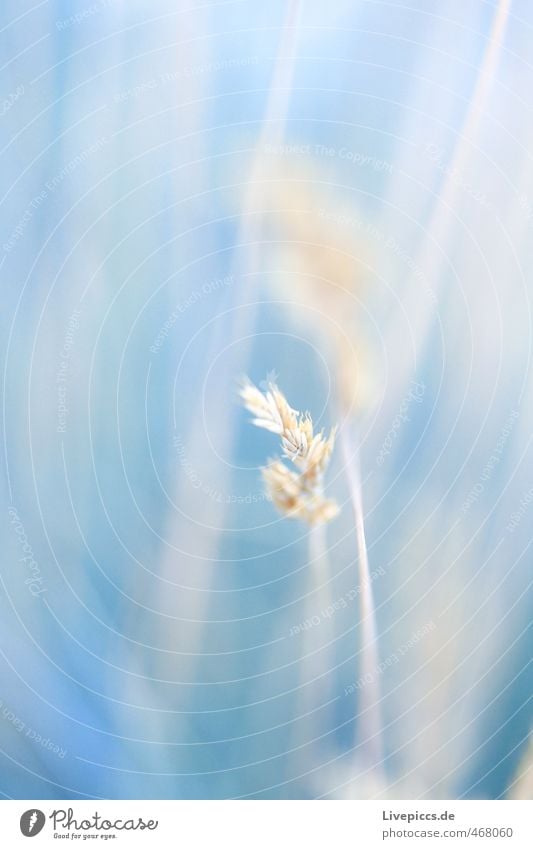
point(269, 824)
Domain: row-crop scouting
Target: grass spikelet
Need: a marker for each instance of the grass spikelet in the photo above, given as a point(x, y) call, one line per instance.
point(299, 493)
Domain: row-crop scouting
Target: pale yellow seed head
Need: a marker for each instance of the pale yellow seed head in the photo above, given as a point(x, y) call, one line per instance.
point(297, 494)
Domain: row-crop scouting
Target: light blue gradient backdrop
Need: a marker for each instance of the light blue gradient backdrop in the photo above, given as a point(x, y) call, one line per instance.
point(125, 156)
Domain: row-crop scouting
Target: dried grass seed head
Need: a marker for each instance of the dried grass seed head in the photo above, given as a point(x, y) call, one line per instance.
point(296, 494)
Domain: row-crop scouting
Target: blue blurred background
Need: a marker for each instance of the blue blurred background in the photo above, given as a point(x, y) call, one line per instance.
point(193, 192)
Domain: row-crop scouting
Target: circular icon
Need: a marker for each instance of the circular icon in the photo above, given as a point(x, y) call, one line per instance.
point(32, 822)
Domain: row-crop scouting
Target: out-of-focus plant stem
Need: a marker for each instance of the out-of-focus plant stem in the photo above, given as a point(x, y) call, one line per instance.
point(370, 729)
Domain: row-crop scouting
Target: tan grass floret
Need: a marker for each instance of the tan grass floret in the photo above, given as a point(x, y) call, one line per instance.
point(297, 494)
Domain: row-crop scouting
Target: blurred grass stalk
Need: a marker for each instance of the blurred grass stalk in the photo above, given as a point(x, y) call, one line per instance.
point(421, 310)
point(370, 728)
point(296, 490)
point(241, 320)
point(183, 535)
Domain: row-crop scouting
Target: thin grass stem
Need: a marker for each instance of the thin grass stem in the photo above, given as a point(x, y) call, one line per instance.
point(370, 727)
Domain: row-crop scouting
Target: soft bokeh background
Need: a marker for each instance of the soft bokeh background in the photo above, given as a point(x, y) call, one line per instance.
point(168, 170)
